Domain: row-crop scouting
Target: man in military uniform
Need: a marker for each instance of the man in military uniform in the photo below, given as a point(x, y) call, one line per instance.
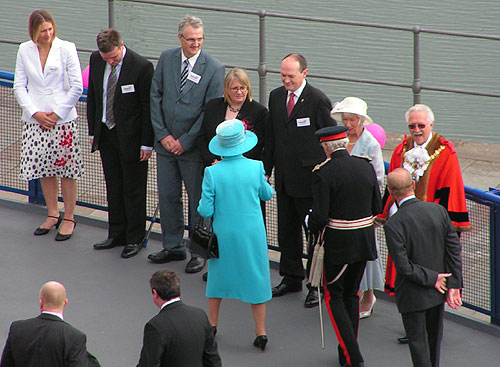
point(346, 198)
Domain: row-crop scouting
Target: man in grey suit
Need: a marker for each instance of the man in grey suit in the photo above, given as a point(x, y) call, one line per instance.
point(179, 335)
point(47, 340)
point(426, 252)
point(185, 79)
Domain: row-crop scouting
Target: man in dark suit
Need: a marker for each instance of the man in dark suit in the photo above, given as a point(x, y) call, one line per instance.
point(346, 198)
point(120, 128)
point(296, 111)
point(47, 340)
point(179, 335)
point(426, 252)
point(185, 79)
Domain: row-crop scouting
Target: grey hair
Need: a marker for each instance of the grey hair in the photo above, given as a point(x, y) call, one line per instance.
point(336, 144)
point(420, 107)
point(189, 20)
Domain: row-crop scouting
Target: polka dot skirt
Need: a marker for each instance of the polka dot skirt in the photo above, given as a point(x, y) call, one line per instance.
point(49, 153)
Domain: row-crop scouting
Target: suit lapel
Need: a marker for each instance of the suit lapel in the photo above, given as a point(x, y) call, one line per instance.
point(176, 69)
point(126, 64)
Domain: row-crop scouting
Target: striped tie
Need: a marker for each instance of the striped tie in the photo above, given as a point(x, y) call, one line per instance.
point(110, 94)
point(184, 74)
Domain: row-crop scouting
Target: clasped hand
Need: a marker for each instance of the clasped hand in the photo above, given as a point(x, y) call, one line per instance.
point(172, 145)
point(47, 120)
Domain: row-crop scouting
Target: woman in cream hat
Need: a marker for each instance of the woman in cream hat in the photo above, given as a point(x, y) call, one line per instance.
point(352, 112)
point(231, 194)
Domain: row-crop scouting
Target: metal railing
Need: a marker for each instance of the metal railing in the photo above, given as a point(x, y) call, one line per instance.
point(262, 69)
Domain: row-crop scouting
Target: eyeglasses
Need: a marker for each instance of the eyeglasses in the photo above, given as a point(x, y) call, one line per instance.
point(236, 89)
point(193, 40)
point(420, 126)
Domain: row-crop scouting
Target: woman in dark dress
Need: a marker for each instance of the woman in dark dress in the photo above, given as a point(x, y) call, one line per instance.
point(237, 103)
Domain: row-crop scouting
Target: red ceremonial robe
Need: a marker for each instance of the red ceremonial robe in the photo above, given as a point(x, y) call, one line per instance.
point(441, 183)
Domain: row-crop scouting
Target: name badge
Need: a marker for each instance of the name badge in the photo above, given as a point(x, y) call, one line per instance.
point(195, 78)
point(303, 122)
point(128, 88)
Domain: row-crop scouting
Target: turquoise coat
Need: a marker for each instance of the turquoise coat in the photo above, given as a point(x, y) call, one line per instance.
point(232, 190)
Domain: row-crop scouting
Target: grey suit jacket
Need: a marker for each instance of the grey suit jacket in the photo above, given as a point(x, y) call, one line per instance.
point(422, 243)
point(179, 336)
point(45, 341)
point(180, 114)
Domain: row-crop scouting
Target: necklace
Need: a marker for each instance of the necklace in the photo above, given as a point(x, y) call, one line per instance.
point(233, 109)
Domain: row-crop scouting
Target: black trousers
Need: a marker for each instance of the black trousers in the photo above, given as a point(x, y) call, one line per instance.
point(291, 214)
point(424, 330)
point(342, 302)
point(126, 183)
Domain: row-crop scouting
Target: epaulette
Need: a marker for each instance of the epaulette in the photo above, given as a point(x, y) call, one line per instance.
point(362, 157)
point(318, 166)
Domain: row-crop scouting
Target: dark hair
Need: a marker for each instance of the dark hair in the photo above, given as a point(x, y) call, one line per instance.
point(166, 283)
point(300, 59)
point(37, 18)
point(108, 39)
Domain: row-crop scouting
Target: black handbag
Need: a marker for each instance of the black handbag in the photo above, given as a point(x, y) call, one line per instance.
point(204, 242)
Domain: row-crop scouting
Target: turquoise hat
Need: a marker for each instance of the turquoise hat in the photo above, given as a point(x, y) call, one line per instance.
point(232, 139)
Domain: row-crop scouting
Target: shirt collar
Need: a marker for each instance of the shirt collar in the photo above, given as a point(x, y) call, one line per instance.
point(406, 199)
point(299, 90)
point(192, 60)
point(60, 315)
point(425, 144)
point(176, 299)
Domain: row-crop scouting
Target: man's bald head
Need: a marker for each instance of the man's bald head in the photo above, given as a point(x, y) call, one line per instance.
point(400, 183)
point(53, 297)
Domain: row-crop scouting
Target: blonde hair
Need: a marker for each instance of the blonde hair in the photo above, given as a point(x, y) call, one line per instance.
point(242, 77)
point(37, 18)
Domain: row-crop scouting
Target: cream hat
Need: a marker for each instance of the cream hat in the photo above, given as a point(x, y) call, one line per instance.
point(351, 105)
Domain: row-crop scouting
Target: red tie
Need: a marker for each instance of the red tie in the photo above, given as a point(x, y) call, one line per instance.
point(291, 103)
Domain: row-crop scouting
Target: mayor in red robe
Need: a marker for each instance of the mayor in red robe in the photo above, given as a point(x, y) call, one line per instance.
point(432, 161)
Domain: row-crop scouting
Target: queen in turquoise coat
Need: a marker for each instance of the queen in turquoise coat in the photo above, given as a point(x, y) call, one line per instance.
point(231, 194)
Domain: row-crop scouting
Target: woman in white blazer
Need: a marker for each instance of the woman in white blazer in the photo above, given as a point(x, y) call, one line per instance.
point(47, 86)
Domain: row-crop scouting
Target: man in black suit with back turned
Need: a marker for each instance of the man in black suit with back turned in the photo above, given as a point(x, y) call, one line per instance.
point(427, 254)
point(296, 111)
point(47, 340)
point(120, 128)
point(179, 335)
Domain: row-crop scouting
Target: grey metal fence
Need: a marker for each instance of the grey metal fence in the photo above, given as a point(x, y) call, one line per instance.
point(481, 248)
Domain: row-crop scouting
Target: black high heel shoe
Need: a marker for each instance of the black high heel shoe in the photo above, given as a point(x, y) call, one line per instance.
point(41, 231)
point(260, 342)
point(64, 237)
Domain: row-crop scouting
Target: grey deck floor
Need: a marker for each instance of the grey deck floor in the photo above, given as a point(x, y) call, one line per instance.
point(110, 300)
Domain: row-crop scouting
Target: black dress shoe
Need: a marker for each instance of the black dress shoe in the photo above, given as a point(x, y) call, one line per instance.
point(312, 299)
point(195, 265)
point(131, 250)
point(284, 288)
point(107, 244)
point(63, 237)
point(260, 342)
point(41, 231)
point(205, 276)
point(165, 256)
point(403, 340)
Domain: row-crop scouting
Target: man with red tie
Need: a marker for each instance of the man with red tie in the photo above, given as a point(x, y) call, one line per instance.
point(296, 111)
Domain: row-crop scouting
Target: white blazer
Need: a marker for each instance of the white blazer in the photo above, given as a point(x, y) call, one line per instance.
point(55, 89)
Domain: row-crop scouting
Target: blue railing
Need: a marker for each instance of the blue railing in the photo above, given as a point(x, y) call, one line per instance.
point(481, 248)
